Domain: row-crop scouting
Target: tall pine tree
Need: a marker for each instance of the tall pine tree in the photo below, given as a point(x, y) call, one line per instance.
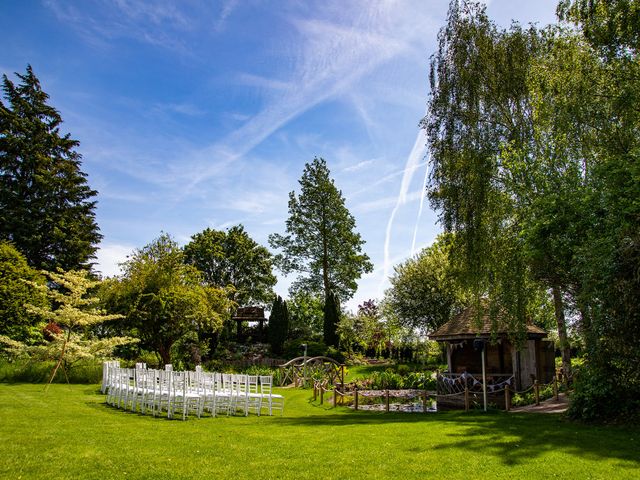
point(46, 206)
point(320, 240)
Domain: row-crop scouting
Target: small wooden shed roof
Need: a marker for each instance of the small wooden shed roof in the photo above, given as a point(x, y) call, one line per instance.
point(249, 314)
point(465, 326)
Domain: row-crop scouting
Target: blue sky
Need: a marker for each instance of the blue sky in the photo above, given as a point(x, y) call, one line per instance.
point(202, 113)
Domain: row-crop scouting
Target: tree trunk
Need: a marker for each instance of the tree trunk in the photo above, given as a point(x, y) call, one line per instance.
point(165, 354)
point(325, 257)
point(565, 348)
point(60, 359)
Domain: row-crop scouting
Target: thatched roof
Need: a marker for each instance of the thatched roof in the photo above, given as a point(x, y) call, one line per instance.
point(465, 326)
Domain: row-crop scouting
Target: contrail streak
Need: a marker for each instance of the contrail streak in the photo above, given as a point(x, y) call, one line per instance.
point(416, 155)
point(424, 194)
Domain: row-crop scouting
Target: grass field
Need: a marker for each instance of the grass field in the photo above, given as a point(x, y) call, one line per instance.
point(69, 432)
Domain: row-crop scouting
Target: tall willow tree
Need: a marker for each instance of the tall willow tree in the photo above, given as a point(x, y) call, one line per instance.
point(535, 139)
point(480, 130)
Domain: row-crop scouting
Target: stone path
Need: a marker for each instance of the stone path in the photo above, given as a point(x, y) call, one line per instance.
point(548, 406)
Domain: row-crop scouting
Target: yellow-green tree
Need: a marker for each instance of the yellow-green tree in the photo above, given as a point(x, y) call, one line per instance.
point(164, 300)
point(73, 308)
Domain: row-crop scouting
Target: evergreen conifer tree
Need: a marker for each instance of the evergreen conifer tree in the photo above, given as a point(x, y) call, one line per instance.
point(278, 325)
point(46, 206)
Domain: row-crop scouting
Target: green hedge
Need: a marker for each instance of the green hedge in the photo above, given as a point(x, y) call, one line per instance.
point(25, 371)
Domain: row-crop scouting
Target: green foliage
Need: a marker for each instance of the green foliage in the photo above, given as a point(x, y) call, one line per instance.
point(400, 378)
point(46, 207)
point(480, 132)
point(320, 240)
point(387, 380)
point(294, 348)
point(259, 370)
point(362, 331)
point(188, 351)
point(278, 325)
point(72, 304)
point(529, 398)
point(16, 321)
point(601, 395)
point(611, 27)
point(424, 292)
point(69, 351)
point(591, 123)
point(331, 320)
point(163, 299)
point(306, 315)
point(233, 258)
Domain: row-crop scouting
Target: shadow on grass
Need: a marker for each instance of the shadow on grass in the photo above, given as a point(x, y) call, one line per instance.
point(512, 438)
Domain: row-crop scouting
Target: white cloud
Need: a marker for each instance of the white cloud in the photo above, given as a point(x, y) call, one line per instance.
point(187, 109)
point(358, 166)
point(335, 54)
point(228, 7)
point(386, 202)
point(263, 82)
point(109, 256)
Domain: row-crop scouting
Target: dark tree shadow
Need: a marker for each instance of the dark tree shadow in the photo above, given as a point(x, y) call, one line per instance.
point(512, 438)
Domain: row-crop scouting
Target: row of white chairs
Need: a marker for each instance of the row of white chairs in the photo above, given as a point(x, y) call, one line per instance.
point(189, 392)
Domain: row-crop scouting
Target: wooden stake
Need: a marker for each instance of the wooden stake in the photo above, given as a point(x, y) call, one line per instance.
point(335, 397)
point(321, 394)
point(386, 394)
point(466, 399)
point(536, 391)
point(507, 398)
point(356, 399)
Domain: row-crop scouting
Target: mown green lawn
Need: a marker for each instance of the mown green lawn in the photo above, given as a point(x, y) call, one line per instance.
point(69, 432)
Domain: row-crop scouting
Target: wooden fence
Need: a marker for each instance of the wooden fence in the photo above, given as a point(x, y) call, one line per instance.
point(340, 392)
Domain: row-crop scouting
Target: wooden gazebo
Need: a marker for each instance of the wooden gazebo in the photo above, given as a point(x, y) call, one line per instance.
point(534, 360)
point(249, 315)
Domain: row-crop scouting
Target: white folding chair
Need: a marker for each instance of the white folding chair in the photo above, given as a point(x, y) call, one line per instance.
point(272, 401)
point(182, 397)
point(254, 399)
point(239, 394)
